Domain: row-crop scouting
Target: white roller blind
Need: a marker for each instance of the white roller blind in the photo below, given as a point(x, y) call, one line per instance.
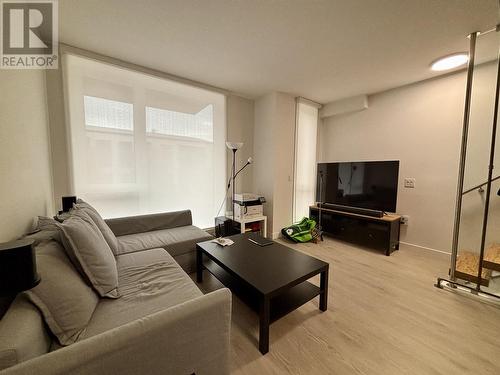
point(305, 159)
point(142, 144)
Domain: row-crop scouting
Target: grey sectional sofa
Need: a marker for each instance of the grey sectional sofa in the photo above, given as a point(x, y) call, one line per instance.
point(160, 324)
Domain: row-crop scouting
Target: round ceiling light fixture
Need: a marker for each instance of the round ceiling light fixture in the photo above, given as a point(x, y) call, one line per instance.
point(450, 61)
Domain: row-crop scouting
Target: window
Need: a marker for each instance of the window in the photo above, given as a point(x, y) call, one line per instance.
point(104, 113)
point(305, 159)
point(199, 125)
point(141, 144)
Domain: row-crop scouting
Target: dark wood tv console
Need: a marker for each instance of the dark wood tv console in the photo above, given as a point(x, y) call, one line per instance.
point(375, 232)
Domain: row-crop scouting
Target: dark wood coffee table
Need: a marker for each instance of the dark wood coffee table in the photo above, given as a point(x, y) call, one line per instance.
point(271, 279)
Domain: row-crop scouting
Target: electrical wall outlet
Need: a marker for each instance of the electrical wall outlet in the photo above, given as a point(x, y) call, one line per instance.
point(404, 219)
point(409, 183)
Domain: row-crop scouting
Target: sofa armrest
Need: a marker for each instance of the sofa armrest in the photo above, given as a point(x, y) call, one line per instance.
point(192, 337)
point(147, 223)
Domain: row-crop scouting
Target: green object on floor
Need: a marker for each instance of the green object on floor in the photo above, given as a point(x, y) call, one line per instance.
point(301, 231)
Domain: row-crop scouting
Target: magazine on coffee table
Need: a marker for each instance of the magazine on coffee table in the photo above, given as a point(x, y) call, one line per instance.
point(261, 241)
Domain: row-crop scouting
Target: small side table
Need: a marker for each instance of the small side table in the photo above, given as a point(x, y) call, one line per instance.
point(261, 219)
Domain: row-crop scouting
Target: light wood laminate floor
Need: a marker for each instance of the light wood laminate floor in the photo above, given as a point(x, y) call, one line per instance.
point(384, 317)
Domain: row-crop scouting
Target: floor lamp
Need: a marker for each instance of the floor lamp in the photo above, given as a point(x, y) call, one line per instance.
point(233, 146)
point(320, 204)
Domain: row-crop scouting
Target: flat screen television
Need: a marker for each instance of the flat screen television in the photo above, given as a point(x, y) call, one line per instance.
point(364, 184)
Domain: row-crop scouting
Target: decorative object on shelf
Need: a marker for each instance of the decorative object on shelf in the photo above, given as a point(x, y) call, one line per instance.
point(17, 270)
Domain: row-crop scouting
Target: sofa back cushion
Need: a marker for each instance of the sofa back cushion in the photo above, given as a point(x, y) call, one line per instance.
point(22, 333)
point(101, 224)
point(64, 299)
point(85, 242)
point(147, 223)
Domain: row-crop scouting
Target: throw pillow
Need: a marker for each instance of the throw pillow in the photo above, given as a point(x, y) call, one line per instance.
point(88, 246)
point(49, 225)
point(65, 301)
point(108, 234)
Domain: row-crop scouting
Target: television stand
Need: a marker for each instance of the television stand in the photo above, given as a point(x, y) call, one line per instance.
point(380, 233)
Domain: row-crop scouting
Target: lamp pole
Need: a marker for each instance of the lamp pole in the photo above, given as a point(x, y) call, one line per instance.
point(234, 176)
point(320, 204)
point(233, 146)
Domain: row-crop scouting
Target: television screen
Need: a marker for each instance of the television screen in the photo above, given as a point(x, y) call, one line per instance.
point(367, 184)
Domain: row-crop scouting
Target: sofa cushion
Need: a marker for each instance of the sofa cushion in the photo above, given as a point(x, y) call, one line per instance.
point(65, 300)
point(176, 241)
point(101, 224)
point(84, 240)
point(22, 333)
point(150, 281)
point(146, 223)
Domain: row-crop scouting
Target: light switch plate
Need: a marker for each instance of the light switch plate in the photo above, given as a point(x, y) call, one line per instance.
point(409, 183)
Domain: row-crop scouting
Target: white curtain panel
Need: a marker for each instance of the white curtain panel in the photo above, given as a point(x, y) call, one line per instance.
point(305, 159)
point(143, 144)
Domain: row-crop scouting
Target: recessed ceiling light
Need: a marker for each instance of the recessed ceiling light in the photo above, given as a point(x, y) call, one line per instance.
point(450, 61)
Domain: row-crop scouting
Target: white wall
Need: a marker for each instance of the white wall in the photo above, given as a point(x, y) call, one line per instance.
point(263, 167)
point(274, 152)
point(283, 139)
point(26, 182)
point(58, 136)
point(420, 125)
point(240, 126)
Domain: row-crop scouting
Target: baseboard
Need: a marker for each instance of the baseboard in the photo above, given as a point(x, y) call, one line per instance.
point(276, 235)
point(425, 248)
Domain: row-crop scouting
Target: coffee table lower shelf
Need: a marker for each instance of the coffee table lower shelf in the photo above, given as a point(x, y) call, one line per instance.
point(280, 305)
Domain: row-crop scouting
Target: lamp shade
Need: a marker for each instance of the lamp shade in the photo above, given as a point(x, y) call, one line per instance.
point(234, 145)
point(17, 267)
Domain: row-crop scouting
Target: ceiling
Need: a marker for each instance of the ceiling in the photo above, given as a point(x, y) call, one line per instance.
point(323, 50)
